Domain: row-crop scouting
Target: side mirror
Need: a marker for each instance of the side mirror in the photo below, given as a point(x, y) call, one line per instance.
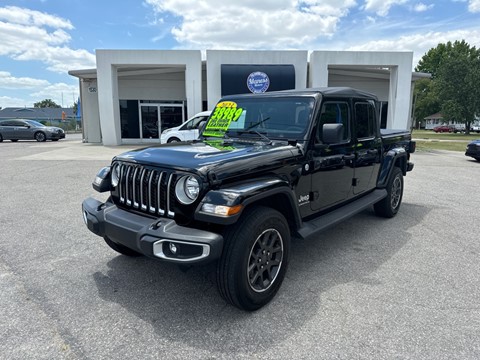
point(332, 133)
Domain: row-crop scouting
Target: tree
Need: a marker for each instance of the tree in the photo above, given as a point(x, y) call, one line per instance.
point(431, 61)
point(47, 103)
point(455, 69)
point(75, 107)
point(426, 100)
point(457, 83)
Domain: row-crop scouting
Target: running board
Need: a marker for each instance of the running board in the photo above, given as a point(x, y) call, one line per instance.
point(327, 220)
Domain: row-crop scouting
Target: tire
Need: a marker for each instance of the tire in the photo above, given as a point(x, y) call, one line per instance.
point(54, 139)
point(1, 138)
point(13, 140)
point(121, 249)
point(389, 206)
point(40, 136)
point(260, 240)
point(173, 140)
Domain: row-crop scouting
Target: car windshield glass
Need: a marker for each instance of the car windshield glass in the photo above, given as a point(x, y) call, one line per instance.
point(34, 123)
point(266, 118)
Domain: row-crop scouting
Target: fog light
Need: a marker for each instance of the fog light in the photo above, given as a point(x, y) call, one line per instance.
point(85, 217)
point(173, 248)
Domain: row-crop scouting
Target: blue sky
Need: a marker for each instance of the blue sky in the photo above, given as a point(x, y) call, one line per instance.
point(40, 40)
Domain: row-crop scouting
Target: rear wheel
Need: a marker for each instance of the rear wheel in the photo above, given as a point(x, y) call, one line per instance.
point(388, 207)
point(255, 258)
point(120, 248)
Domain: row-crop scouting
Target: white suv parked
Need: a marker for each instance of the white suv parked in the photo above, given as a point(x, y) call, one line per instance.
point(187, 131)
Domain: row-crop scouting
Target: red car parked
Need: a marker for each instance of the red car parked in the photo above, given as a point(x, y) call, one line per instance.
point(444, 128)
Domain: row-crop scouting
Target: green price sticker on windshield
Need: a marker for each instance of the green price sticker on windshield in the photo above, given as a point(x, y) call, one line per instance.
point(225, 112)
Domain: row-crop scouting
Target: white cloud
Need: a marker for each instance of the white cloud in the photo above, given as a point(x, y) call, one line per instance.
point(7, 81)
point(474, 6)
point(7, 101)
point(420, 43)
point(421, 7)
point(16, 15)
point(61, 93)
point(382, 7)
point(32, 35)
point(268, 24)
point(35, 90)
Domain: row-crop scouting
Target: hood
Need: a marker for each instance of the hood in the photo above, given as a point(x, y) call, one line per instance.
point(225, 160)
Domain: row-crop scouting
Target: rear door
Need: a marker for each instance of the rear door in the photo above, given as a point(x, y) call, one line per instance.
point(8, 128)
point(367, 146)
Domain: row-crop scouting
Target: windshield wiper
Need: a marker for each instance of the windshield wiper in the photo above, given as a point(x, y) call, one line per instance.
point(257, 123)
point(254, 132)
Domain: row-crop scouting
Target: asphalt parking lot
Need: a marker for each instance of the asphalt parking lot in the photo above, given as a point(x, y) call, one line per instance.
point(404, 288)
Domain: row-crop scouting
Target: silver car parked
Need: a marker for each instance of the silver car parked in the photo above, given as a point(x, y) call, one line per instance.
point(18, 129)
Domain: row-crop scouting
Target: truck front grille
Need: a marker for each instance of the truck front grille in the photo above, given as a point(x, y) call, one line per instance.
point(145, 189)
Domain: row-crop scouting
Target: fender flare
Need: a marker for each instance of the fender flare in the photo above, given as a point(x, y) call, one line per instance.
point(391, 159)
point(246, 194)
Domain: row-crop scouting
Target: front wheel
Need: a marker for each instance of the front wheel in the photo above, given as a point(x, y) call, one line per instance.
point(255, 258)
point(388, 207)
point(40, 136)
point(173, 140)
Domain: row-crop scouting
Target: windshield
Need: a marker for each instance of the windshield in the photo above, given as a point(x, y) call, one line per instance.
point(269, 118)
point(34, 123)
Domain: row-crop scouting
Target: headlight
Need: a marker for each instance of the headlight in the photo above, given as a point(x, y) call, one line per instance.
point(115, 175)
point(166, 131)
point(187, 189)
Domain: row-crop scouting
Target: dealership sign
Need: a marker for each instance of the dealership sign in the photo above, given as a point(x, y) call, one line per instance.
point(257, 79)
point(258, 82)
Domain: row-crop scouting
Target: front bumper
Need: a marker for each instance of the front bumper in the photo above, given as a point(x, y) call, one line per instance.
point(55, 136)
point(151, 237)
point(473, 151)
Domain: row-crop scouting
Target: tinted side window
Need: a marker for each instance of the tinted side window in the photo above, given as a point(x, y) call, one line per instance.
point(9, 123)
point(19, 123)
point(364, 120)
point(334, 113)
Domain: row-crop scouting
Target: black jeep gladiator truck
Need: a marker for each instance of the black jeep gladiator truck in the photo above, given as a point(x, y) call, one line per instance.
point(268, 168)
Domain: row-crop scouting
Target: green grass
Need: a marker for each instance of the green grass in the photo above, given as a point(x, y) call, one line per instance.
point(436, 145)
point(430, 134)
point(429, 140)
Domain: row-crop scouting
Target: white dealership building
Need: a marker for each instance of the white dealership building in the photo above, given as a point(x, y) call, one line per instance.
point(133, 95)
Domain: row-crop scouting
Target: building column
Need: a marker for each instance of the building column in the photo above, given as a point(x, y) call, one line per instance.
point(109, 108)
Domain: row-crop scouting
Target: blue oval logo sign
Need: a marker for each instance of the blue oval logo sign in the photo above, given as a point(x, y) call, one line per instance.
point(258, 82)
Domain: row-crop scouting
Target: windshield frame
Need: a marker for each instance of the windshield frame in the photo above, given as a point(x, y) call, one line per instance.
point(280, 117)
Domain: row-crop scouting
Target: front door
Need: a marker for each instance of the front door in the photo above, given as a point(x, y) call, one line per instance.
point(333, 165)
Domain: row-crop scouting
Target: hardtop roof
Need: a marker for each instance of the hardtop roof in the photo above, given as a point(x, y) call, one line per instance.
point(324, 91)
